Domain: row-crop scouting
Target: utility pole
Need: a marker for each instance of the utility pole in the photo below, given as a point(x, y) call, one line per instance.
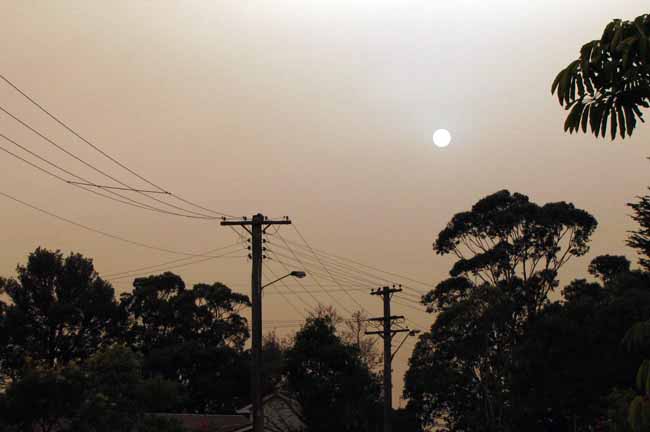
point(387, 334)
point(256, 227)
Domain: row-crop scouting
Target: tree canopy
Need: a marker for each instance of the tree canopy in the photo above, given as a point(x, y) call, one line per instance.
point(330, 377)
point(59, 311)
point(192, 336)
point(509, 251)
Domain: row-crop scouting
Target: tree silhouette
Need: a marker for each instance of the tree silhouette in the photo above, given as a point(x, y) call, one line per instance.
point(609, 83)
point(59, 310)
point(194, 337)
point(509, 251)
point(331, 380)
point(640, 239)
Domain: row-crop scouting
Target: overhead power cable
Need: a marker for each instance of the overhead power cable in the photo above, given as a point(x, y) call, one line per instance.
point(351, 273)
point(98, 170)
point(360, 274)
point(400, 276)
point(122, 198)
point(97, 231)
point(337, 301)
point(285, 297)
point(166, 264)
point(102, 152)
point(75, 133)
point(187, 264)
point(324, 266)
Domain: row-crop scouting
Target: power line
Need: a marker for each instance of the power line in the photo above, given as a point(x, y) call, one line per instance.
point(105, 174)
point(410, 307)
point(349, 278)
point(362, 275)
point(337, 266)
point(97, 231)
point(428, 285)
point(124, 199)
point(226, 255)
point(52, 116)
point(286, 285)
point(315, 291)
point(286, 298)
point(317, 282)
point(302, 285)
point(95, 147)
point(323, 265)
point(117, 275)
point(353, 273)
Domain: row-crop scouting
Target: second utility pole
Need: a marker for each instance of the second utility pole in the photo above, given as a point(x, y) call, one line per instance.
point(258, 225)
point(387, 334)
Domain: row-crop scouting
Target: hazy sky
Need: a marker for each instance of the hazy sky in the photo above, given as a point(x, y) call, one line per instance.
point(320, 110)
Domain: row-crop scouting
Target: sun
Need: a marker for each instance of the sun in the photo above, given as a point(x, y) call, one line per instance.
point(441, 138)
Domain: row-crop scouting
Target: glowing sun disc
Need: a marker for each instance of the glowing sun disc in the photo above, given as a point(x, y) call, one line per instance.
point(441, 138)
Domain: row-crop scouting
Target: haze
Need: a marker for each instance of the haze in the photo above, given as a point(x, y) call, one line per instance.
point(322, 111)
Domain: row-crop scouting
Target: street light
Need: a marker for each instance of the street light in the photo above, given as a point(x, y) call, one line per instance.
point(296, 273)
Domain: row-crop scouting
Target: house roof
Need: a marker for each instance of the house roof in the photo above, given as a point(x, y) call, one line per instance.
point(208, 423)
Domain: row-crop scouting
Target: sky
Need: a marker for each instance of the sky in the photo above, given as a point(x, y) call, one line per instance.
point(322, 111)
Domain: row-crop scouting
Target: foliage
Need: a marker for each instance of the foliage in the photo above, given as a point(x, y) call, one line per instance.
point(353, 333)
point(160, 424)
point(194, 337)
point(640, 239)
point(44, 398)
point(609, 83)
point(617, 414)
point(572, 358)
point(509, 251)
point(273, 362)
point(608, 267)
point(105, 394)
point(60, 310)
point(110, 402)
point(329, 376)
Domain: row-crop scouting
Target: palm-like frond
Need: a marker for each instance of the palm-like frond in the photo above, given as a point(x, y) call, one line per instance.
point(609, 84)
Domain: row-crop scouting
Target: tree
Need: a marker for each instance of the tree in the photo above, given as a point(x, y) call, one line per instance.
point(273, 362)
point(44, 398)
point(60, 310)
point(608, 267)
point(160, 424)
point(113, 378)
point(334, 386)
point(107, 393)
point(509, 251)
point(354, 333)
point(571, 362)
point(609, 82)
point(640, 239)
point(194, 337)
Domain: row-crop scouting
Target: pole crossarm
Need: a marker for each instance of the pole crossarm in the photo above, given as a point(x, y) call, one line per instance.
point(392, 318)
point(246, 221)
point(381, 332)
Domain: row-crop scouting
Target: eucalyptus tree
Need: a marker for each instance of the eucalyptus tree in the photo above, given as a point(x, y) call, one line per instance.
point(508, 253)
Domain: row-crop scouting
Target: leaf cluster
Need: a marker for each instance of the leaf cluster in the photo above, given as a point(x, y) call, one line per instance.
point(608, 85)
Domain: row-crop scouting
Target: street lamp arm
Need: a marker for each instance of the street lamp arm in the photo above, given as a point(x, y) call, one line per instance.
point(277, 280)
point(295, 273)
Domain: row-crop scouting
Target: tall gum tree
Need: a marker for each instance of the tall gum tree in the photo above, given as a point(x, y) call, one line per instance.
point(509, 251)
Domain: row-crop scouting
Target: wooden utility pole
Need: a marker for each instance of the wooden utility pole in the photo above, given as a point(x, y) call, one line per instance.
point(387, 334)
point(258, 226)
